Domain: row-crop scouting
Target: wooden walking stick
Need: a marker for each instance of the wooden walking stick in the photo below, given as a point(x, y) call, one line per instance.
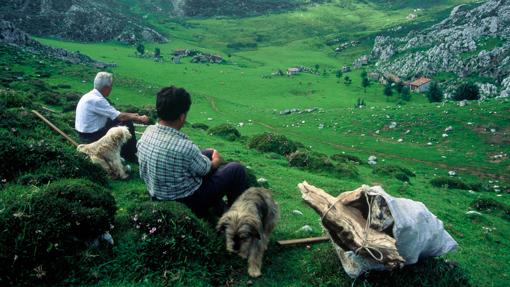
point(55, 128)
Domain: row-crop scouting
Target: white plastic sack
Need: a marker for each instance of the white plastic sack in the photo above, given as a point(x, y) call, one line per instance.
point(418, 233)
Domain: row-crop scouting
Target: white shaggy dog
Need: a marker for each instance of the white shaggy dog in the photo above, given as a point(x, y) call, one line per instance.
point(106, 151)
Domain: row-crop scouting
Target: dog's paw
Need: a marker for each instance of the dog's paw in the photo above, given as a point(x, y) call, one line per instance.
point(254, 272)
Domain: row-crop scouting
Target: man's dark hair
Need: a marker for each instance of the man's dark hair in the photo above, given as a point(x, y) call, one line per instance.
point(171, 102)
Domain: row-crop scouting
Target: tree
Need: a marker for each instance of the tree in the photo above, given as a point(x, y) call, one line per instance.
point(339, 73)
point(364, 74)
point(467, 91)
point(434, 94)
point(388, 90)
point(140, 48)
point(157, 53)
point(347, 80)
point(365, 83)
point(405, 93)
point(399, 87)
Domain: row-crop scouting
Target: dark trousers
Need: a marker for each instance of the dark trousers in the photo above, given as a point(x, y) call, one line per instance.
point(128, 151)
point(228, 180)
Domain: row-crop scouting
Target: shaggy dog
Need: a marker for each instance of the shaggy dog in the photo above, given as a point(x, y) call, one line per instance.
point(106, 151)
point(248, 224)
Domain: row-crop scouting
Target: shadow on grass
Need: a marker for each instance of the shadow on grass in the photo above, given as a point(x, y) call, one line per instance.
point(325, 269)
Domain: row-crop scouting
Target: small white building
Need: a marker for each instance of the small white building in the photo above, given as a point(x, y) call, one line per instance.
point(420, 85)
point(293, 71)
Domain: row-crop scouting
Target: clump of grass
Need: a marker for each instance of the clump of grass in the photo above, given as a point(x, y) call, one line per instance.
point(346, 158)
point(45, 230)
point(171, 239)
point(269, 142)
point(454, 183)
point(398, 172)
point(200, 126)
point(318, 162)
point(226, 131)
point(490, 205)
point(14, 99)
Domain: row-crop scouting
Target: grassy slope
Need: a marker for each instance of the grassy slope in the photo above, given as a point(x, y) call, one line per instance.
point(237, 92)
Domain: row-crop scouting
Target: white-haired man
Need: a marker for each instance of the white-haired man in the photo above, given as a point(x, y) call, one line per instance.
point(95, 116)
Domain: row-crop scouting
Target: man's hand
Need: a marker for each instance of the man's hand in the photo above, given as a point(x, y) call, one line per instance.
point(215, 159)
point(143, 119)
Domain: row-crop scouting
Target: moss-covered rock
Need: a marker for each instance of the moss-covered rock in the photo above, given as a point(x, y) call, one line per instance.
point(318, 162)
point(269, 142)
point(226, 131)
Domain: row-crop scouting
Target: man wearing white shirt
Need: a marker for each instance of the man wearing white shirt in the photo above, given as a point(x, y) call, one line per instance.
point(95, 116)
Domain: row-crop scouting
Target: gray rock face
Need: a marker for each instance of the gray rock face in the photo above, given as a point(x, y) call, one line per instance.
point(11, 35)
point(469, 42)
point(78, 20)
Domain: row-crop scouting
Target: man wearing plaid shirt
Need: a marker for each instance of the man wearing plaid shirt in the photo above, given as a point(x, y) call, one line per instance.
point(174, 168)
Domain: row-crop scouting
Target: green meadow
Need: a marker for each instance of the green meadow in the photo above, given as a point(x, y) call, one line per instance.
point(244, 92)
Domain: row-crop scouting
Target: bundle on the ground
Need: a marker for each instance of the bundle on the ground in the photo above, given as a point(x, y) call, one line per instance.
point(372, 230)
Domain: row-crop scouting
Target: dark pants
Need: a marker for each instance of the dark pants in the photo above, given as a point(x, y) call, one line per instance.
point(128, 151)
point(228, 179)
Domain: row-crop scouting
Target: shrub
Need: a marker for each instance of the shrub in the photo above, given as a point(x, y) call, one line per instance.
point(454, 183)
point(13, 99)
point(346, 158)
point(491, 205)
point(226, 131)
point(171, 238)
point(398, 172)
point(69, 107)
point(200, 126)
point(320, 163)
point(467, 91)
point(269, 142)
point(37, 161)
point(435, 94)
point(44, 231)
point(52, 99)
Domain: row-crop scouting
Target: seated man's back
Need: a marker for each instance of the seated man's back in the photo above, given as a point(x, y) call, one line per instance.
point(170, 164)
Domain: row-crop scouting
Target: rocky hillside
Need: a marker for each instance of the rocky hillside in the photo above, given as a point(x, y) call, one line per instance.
point(11, 35)
point(207, 8)
point(79, 20)
point(471, 43)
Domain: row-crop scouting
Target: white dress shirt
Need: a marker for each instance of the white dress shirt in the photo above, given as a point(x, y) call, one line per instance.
point(92, 112)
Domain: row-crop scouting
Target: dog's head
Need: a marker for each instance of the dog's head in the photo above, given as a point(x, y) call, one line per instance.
point(241, 230)
point(119, 135)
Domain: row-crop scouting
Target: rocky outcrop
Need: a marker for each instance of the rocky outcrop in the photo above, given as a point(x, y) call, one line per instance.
point(9, 34)
point(469, 42)
point(80, 20)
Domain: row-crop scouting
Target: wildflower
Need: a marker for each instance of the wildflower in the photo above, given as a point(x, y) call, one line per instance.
point(144, 237)
point(135, 218)
point(152, 230)
point(39, 272)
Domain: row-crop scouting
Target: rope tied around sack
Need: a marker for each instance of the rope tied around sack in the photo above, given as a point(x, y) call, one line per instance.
point(364, 245)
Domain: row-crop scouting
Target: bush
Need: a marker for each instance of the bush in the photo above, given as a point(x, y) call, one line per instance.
point(35, 162)
point(346, 158)
point(44, 231)
point(13, 99)
point(321, 163)
point(467, 91)
point(226, 131)
point(170, 238)
point(269, 142)
point(52, 99)
point(454, 183)
point(200, 126)
point(398, 172)
point(492, 206)
point(435, 94)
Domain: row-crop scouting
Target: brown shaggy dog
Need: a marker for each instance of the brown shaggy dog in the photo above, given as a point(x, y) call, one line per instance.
point(106, 151)
point(248, 224)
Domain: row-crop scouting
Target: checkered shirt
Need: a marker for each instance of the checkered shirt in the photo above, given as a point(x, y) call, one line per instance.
point(170, 164)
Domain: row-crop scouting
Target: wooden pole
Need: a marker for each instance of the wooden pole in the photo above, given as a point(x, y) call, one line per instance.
point(303, 241)
point(55, 128)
